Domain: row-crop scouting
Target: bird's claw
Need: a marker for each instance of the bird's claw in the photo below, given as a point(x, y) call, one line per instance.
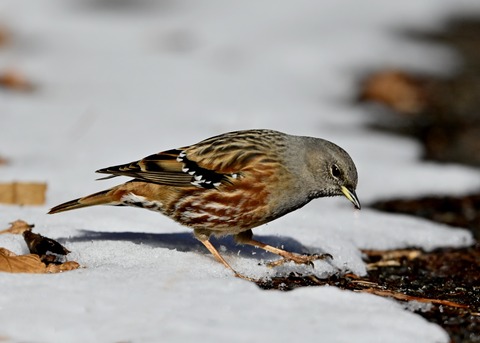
point(299, 259)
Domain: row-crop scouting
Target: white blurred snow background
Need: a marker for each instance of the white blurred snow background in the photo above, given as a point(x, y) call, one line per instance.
point(121, 79)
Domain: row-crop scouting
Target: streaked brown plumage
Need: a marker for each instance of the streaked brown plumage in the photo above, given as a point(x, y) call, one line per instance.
point(231, 183)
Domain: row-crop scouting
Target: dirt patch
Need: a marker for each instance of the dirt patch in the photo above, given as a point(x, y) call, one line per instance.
point(447, 280)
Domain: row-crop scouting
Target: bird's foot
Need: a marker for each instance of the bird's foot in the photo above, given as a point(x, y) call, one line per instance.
point(299, 259)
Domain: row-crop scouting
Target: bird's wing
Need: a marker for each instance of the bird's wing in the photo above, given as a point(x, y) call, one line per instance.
point(208, 164)
point(161, 168)
point(236, 151)
point(172, 168)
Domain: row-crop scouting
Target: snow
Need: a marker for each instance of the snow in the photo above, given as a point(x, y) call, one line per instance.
point(117, 84)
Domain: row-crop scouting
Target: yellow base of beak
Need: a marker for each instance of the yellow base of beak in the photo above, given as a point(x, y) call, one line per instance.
point(352, 196)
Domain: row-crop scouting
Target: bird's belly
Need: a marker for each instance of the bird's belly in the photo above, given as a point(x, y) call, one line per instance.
point(222, 212)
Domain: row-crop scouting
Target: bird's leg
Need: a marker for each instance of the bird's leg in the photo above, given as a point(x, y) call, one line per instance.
point(204, 239)
point(246, 238)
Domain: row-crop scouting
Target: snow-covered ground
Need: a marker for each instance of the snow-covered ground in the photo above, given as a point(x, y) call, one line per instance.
point(121, 79)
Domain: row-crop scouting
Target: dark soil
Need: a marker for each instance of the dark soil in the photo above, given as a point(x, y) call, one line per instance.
point(447, 279)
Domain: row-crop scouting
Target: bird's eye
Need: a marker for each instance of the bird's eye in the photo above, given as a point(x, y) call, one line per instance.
point(335, 171)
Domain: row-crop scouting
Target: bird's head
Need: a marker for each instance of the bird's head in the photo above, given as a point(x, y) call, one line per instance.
point(332, 170)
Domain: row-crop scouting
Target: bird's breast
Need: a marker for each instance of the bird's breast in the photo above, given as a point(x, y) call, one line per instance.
point(231, 208)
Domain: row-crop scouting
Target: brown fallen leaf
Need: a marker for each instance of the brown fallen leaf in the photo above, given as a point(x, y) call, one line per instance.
point(23, 193)
point(17, 227)
point(31, 263)
point(3, 161)
point(14, 80)
point(63, 267)
point(398, 90)
point(4, 35)
point(39, 260)
point(12, 263)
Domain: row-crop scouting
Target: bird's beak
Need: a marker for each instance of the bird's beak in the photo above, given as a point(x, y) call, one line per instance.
point(352, 196)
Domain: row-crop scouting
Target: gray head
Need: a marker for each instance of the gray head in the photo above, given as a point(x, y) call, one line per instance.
point(329, 170)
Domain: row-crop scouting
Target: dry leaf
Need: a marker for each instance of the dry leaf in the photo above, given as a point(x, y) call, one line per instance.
point(23, 193)
point(4, 35)
point(63, 267)
point(3, 161)
point(40, 245)
point(402, 92)
point(12, 263)
point(39, 261)
point(14, 80)
point(31, 263)
point(18, 227)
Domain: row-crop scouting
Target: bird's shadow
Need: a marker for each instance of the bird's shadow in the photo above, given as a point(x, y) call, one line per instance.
point(186, 242)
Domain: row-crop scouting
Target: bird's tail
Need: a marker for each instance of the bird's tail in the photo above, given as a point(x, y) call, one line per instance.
point(100, 198)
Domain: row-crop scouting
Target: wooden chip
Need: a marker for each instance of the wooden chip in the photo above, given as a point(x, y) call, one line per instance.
point(381, 263)
point(18, 227)
point(390, 258)
point(394, 254)
point(23, 193)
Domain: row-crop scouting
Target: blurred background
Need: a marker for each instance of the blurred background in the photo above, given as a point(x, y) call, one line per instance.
point(88, 84)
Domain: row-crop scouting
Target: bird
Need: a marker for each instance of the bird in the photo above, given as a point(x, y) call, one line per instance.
point(231, 183)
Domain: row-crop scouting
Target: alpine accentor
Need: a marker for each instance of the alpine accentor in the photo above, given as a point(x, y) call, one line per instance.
point(231, 183)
